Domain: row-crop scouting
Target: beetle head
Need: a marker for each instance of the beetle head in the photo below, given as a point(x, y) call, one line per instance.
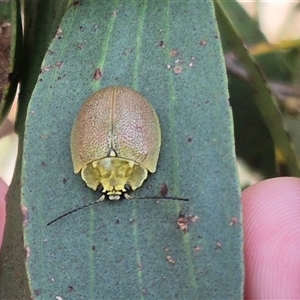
point(116, 176)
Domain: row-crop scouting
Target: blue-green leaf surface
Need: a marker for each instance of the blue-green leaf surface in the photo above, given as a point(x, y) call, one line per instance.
point(41, 19)
point(170, 52)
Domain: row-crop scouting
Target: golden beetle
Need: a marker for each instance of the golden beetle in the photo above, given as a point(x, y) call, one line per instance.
point(115, 141)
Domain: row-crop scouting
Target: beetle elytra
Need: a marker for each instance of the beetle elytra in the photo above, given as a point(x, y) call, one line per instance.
point(115, 141)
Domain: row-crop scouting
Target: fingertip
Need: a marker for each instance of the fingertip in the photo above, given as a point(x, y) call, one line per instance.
point(271, 212)
point(3, 192)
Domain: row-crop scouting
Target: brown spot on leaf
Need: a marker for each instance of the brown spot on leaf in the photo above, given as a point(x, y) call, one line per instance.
point(80, 45)
point(97, 74)
point(184, 221)
point(45, 69)
point(164, 190)
point(27, 249)
point(171, 260)
point(197, 249)
point(234, 221)
point(161, 44)
point(218, 246)
point(189, 138)
point(177, 69)
point(144, 291)
point(59, 33)
point(203, 42)
point(174, 53)
point(25, 214)
point(59, 64)
point(70, 289)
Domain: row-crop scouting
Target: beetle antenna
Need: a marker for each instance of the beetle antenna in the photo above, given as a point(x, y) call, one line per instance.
point(72, 211)
point(101, 199)
point(160, 198)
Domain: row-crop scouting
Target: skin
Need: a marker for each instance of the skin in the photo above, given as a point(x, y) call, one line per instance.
point(3, 192)
point(271, 212)
point(271, 217)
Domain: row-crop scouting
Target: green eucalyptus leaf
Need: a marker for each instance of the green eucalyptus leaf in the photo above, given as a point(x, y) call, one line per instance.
point(259, 128)
point(41, 19)
point(170, 52)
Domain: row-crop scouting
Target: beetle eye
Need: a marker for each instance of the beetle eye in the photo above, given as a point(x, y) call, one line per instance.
point(100, 187)
point(127, 187)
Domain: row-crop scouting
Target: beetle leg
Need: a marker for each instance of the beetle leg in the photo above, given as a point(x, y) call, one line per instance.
point(127, 196)
point(101, 198)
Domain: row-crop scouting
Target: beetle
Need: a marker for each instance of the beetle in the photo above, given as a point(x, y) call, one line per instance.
point(115, 141)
